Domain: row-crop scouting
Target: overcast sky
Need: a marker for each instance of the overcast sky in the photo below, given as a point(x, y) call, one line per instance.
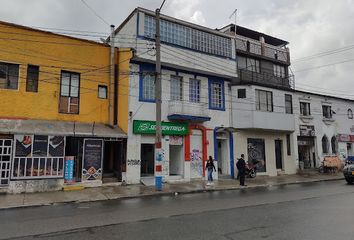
point(311, 27)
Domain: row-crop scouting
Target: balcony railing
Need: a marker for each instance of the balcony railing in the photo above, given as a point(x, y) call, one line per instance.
point(188, 110)
point(266, 50)
point(267, 79)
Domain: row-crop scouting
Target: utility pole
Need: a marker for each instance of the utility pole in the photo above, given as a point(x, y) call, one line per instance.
point(159, 157)
point(111, 80)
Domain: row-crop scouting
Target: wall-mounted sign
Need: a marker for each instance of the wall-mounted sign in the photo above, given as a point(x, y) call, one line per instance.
point(307, 130)
point(168, 128)
point(345, 138)
point(92, 159)
point(40, 145)
point(69, 169)
point(176, 140)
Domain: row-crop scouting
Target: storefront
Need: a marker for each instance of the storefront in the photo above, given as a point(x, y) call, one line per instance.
point(42, 155)
point(306, 147)
point(345, 145)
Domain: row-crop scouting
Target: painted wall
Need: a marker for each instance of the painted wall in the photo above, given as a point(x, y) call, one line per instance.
point(54, 53)
point(246, 116)
point(340, 123)
point(241, 137)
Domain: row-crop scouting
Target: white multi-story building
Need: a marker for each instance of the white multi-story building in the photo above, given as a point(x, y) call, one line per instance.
point(198, 65)
point(324, 127)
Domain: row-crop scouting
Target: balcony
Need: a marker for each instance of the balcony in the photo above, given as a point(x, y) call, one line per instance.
point(249, 46)
point(188, 111)
point(266, 79)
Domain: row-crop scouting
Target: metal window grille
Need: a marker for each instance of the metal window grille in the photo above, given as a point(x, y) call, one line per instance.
point(194, 90)
point(176, 88)
point(149, 87)
point(216, 95)
point(5, 161)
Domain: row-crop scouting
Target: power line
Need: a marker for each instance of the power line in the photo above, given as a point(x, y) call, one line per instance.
point(95, 13)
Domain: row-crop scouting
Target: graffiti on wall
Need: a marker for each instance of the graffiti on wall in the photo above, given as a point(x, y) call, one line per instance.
point(196, 163)
point(256, 153)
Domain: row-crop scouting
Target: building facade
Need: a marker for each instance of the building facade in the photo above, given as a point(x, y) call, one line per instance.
point(55, 103)
point(324, 127)
point(262, 99)
point(198, 66)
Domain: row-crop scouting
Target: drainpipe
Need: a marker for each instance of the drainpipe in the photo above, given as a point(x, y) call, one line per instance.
point(111, 81)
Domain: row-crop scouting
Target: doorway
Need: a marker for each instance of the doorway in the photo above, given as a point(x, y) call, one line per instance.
point(223, 158)
point(279, 154)
point(176, 160)
point(147, 155)
point(114, 156)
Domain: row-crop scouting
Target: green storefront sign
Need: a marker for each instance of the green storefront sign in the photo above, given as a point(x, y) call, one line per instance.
point(168, 128)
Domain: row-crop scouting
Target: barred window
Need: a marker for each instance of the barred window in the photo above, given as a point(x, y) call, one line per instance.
point(216, 95)
point(194, 90)
point(188, 37)
point(176, 88)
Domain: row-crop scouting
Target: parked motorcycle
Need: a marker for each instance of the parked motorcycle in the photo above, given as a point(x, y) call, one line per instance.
point(251, 169)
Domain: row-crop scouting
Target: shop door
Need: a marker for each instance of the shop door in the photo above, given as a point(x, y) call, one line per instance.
point(196, 147)
point(147, 155)
point(278, 154)
point(5, 161)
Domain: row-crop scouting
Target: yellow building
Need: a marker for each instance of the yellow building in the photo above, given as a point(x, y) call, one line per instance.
point(59, 97)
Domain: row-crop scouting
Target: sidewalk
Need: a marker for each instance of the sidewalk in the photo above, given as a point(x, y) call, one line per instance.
point(132, 191)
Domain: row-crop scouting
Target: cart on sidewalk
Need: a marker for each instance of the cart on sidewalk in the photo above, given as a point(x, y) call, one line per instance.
point(331, 164)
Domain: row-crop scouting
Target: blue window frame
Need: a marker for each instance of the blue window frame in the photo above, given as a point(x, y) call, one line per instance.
point(194, 90)
point(216, 94)
point(147, 83)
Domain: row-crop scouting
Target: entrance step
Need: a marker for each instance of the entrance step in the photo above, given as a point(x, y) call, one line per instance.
point(109, 179)
point(148, 181)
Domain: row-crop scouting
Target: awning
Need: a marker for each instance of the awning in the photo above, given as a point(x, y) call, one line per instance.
point(59, 128)
point(225, 129)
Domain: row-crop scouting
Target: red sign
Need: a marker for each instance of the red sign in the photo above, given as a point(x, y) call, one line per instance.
point(345, 138)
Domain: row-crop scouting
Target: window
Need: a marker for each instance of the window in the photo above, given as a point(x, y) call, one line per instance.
point(148, 87)
point(326, 111)
point(9, 76)
point(69, 92)
point(350, 114)
point(241, 93)
point(324, 144)
point(188, 37)
point(288, 104)
point(216, 95)
point(288, 144)
point(264, 100)
point(305, 109)
point(102, 91)
point(250, 64)
point(176, 88)
point(32, 78)
point(334, 145)
point(194, 90)
point(279, 71)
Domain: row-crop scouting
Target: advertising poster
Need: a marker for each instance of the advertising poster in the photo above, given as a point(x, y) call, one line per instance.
point(40, 145)
point(56, 146)
point(69, 169)
point(23, 145)
point(92, 160)
point(256, 153)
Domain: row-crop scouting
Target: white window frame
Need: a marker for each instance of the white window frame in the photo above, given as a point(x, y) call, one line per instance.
point(176, 88)
point(264, 100)
point(306, 110)
point(327, 111)
point(194, 90)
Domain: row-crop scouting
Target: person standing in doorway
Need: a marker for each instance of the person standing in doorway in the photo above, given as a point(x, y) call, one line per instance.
point(210, 167)
point(241, 167)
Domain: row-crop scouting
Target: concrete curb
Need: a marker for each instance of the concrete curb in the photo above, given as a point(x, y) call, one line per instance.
point(201, 190)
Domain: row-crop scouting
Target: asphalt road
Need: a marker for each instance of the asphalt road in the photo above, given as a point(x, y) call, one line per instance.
point(323, 210)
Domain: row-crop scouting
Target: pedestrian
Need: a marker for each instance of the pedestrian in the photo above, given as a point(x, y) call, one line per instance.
point(241, 167)
point(210, 167)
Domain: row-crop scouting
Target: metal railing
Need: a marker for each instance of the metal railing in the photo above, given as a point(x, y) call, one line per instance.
point(266, 79)
point(276, 53)
point(188, 108)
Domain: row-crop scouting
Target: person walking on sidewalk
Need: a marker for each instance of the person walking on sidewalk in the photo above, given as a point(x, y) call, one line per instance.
point(241, 167)
point(210, 167)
